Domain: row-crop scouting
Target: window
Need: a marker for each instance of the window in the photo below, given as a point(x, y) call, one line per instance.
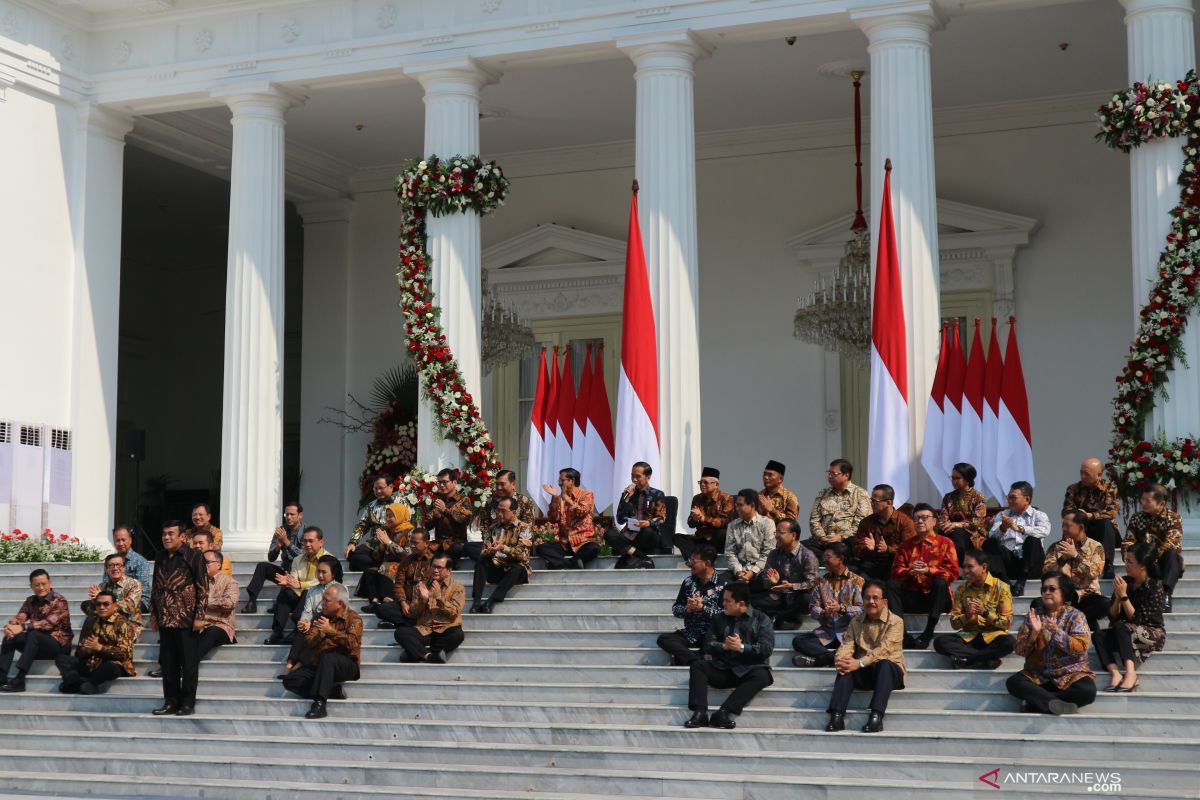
point(31, 435)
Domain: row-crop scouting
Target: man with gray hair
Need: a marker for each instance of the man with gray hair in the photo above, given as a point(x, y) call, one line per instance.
point(330, 655)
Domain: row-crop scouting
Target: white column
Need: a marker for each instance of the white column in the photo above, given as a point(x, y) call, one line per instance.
point(96, 218)
point(902, 130)
point(327, 493)
point(252, 400)
point(1161, 45)
point(665, 156)
point(452, 92)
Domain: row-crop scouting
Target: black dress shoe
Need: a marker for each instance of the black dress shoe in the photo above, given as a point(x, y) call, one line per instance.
point(369, 608)
point(251, 607)
point(15, 685)
point(435, 657)
point(960, 663)
point(1167, 604)
point(645, 562)
point(87, 687)
point(576, 563)
point(274, 638)
point(338, 693)
point(922, 642)
point(993, 663)
point(837, 721)
point(155, 673)
point(165, 709)
point(1019, 589)
point(185, 711)
point(722, 720)
point(874, 723)
point(386, 626)
point(698, 720)
point(485, 607)
point(317, 711)
point(1107, 574)
point(803, 661)
point(475, 606)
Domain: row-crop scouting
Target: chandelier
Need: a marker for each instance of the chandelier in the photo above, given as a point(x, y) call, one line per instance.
point(505, 336)
point(836, 315)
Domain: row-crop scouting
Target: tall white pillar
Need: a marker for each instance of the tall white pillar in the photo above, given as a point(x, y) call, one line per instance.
point(665, 166)
point(452, 93)
point(902, 130)
point(252, 400)
point(1161, 46)
point(96, 219)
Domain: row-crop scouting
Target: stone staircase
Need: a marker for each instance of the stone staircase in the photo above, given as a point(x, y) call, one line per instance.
point(562, 694)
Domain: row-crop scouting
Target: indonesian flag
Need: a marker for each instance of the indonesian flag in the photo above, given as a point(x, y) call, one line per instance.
point(637, 392)
point(931, 450)
point(989, 484)
point(1014, 442)
point(888, 456)
point(598, 465)
point(566, 415)
point(970, 444)
point(579, 429)
point(537, 439)
point(550, 465)
point(956, 375)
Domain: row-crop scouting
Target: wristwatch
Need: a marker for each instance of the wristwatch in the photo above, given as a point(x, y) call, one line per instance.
point(861, 665)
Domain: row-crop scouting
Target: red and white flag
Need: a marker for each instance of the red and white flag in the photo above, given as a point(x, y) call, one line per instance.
point(956, 375)
point(931, 450)
point(550, 465)
point(566, 414)
point(637, 391)
point(988, 483)
point(970, 443)
point(1014, 440)
point(887, 441)
point(582, 399)
point(597, 469)
point(537, 439)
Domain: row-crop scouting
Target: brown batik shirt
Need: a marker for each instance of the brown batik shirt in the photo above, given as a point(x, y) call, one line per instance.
point(180, 588)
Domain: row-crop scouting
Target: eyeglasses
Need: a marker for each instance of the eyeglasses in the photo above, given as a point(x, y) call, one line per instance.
point(926, 517)
point(105, 604)
point(435, 566)
point(211, 561)
point(443, 481)
point(1050, 589)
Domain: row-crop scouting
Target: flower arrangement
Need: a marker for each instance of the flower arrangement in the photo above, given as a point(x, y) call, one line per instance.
point(20, 547)
point(1144, 113)
point(439, 187)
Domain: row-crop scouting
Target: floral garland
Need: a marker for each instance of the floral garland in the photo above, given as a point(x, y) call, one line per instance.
point(1136, 116)
point(441, 187)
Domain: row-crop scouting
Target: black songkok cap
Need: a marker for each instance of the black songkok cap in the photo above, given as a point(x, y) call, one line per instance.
point(775, 466)
point(710, 472)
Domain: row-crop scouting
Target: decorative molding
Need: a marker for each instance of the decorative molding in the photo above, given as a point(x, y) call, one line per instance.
point(656, 11)
point(7, 81)
point(290, 30)
point(203, 40)
point(343, 53)
point(386, 17)
point(539, 27)
point(122, 52)
point(10, 25)
point(490, 6)
point(66, 48)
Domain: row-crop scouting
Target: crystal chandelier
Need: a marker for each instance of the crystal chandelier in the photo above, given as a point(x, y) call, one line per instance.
point(505, 336)
point(837, 314)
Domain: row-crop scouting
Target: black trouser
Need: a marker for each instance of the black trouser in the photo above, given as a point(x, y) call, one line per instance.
point(809, 644)
point(785, 607)
point(1026, 565)
point(374, 585)
point(180, 666)
point(74, 672)
point(903, 600)
point(1038, 695)
point(210, 639)
point(882, 677)
point(1113, 643)
point(690, 544)
point(817, 546)
point(287, 604)
point(1104, 532)
point(361, 559)
point(704, 674)
point(557, 557)
point(505, 579)
point(33, 645)
point(317, 682)
point(677, 646)
point(263, 571)
point(473, 550)
point(1170, 568)
point(453, 549)
point(875, 565)
point(393, 613)
point(415, 645)
point(975, 651)
point(645, 542)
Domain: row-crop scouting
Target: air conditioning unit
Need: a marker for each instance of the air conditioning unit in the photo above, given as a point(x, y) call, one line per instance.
point(35, 478)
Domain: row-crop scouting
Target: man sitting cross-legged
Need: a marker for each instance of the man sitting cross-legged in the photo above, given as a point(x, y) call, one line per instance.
point(699, 601)
point(329, 570)
point(1081, 560)
point(836, 599)
point(982, 612)
point(437, 606)
point(924, 567)
point(871, 657)
point(41, 629)
point(739, 643)
point(572, 509)
point(105, 650)
point(781, 591)
point(504, 558)
point(396, 611)
point(216, 625)
point(330, 655)
point(292, 584)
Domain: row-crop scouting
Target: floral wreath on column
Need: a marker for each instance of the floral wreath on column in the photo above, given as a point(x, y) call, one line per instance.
point(1134, 117)
point(441, 187)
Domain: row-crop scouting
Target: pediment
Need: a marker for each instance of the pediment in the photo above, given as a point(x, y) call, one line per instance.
point(549, 245)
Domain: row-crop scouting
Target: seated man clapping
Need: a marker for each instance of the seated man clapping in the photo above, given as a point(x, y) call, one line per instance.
point(981, 613)
point(105, 650)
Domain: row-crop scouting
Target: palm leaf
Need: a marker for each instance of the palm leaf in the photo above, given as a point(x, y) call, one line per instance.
point(397, 387)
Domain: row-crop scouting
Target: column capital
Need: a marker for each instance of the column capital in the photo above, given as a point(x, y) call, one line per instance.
point(258, 99)
point(316, 212)
point(103, 121)
point(1135, 7)
point(7, 81)
point(462, 75)
point(911, 21)
point(665, 49)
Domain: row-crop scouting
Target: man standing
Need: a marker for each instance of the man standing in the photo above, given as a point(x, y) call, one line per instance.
point(982, 612)
point(105, 650)
point(751, 538)
point(711, 511)
point(216, 626)
point(136, 566)
point(836, 599)
point(781, 591)
point(640, 516)
point(504, 559)
point(437, 608)
point(287, 541)
point(447, 519)
point(739, 643)
point(571, 511)
point(1016, 538)
point(179, 600)
point(922, 572)
point(1161, 528)
point(1081, 560)
point(879, 534)
point(871, 657)
point(775, 501)
point(699, 601)
point(837, 509)
point(358, 552)
point(202, 521)
point(294, 584)
point(41, 629)
point(1099, 502)
point(330, 655)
